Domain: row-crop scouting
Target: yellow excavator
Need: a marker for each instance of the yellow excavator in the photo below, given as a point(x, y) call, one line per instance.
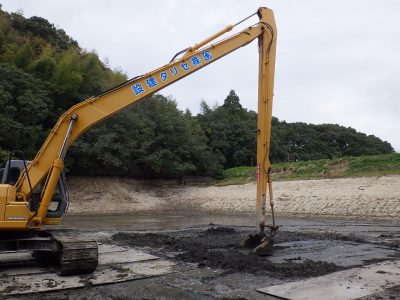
point(33, 193)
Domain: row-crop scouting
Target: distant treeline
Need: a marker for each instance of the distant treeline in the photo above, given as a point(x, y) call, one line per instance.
point(43, 72)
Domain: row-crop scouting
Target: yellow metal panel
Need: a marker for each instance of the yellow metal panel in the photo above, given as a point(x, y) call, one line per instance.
point(267, 52)
point(49, 189)
point(13, 215)
point(13, 225)
point(3, 200)
point(52, 221)
point(11, 194)
point(7, 195)
point(17, 211)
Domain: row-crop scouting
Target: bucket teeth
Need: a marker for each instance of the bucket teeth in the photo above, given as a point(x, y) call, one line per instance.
point(261, 243)
point(265, 248)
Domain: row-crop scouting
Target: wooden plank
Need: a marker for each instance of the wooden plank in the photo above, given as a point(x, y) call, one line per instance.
point(349, 284)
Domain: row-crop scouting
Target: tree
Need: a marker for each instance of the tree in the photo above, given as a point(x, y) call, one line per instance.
point(151, 139)
point(44, 67)
point(24, 56)
point(232, 104)
point(25, 107)
point(231, 131)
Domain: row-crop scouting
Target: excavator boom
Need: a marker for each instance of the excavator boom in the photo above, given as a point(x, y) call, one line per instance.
point(16, 209)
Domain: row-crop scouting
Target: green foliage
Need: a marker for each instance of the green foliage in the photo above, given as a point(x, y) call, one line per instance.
point(25, 107)
point(375, 165)
point(231, 131)
point(301, 141)
point(161, 141)
point(24, 56)
point(42, 28)
point(237, 175)
point(43, 67)
point(67, 79)
point(371, 165)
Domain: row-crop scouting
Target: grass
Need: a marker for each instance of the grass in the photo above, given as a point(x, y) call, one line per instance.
point(374, 165)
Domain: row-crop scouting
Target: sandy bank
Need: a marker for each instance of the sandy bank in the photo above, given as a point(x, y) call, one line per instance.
point(355, 197)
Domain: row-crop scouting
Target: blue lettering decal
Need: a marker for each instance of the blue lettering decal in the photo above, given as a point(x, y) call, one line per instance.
point(174, 71)
point(151, 82)
point(196, 60)
point(207, 55)
point(163, 76)
point(137, 88)
point(185, 66)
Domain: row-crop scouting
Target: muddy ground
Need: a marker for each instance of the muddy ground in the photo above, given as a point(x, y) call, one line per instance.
point(210, 264)
point(219, 248)
point(326, 226)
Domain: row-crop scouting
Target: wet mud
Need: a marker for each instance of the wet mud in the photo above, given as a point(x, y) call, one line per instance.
point(218, 248)
point(210, 264)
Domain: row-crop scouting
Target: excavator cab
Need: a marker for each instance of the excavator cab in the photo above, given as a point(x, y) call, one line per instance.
point(66, 256)
point(59, 203)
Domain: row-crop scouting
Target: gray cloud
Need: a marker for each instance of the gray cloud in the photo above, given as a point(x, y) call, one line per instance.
point(338, 61)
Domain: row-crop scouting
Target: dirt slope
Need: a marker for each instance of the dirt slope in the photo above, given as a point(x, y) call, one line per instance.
point(356, 197)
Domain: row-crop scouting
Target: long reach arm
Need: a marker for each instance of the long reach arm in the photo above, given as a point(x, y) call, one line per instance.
point(48, 162)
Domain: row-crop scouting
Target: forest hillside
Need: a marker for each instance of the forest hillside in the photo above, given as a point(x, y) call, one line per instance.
point(43, 72)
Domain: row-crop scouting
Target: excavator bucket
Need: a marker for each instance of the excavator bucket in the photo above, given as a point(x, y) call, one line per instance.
point(260, 242)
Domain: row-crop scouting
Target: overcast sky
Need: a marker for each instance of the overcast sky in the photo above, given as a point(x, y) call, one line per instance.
point(337, 61)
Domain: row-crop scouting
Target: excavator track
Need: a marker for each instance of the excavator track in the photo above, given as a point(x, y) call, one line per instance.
point(64, 253)
point(76, 256)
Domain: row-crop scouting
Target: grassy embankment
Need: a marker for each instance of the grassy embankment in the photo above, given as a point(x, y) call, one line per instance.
point(376, 165)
